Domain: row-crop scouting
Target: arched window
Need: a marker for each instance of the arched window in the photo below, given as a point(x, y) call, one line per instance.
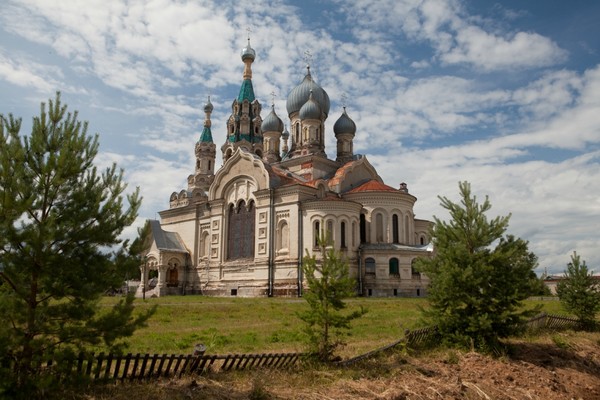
point(379, 227)
point(241, 231)
point(297, 132)
point(406, 234)
point(343, 235)
point(363, 228)
point(283, 234)
point(395, 236)
point(204, 245)
point(416, 276)
point(370, 266)
point(316, 233)
point(353, 235)
point(394, 266)
point(329, 236)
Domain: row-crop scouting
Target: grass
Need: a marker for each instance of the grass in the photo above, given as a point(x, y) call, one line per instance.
point(252, 325)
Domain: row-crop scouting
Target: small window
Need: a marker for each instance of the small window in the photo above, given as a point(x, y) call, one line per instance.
point(394, 266)
point(396, 292)
point(370, 292)
point(370, 266)
point(343, 235)
point(234, 292)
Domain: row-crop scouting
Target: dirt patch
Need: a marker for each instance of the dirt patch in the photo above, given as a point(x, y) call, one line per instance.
point(557, 366)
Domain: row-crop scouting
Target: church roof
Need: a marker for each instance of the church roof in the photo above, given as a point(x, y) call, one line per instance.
point(166, 240)
point(206, 136)
point(373, 186)
point(246, 91)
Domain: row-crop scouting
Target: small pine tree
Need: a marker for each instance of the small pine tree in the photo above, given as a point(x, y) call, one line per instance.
point(478, 277)
point(328, 284)
point(579, 293)
point(58, 215)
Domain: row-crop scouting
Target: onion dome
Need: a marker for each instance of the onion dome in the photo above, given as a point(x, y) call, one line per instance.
point(344, 124)
point(208, 107)
point(286, 134)
point(310, 109)
point(300, 94)
point(248, 52)
point(272, 123)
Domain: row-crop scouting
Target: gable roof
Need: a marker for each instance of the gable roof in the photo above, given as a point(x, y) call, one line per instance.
point(166, 240)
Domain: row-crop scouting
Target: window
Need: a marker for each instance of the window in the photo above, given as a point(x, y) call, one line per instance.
point(283, 234)
point(379, 227)
point(413, 271)
point(329, 236)
point(316, 234)
point(406, 236)
point(395, 236)
point(370, 266)
point(241, 231)
point(204, 245)
point(343, 235)
point(363, 228)
point(394, 266)
point(353, 235)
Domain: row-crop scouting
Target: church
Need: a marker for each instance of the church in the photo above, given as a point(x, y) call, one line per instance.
point(242, 229)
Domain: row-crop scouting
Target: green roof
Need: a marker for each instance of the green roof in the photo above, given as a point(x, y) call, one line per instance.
point(246, 91)
point(206, 136)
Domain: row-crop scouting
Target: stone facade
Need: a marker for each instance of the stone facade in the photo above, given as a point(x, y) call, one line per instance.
point(243, 230)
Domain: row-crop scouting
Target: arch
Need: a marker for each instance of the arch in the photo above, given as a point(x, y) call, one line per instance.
point(394, 266)
point(241, 222)
point(343, 234)
point(370, 266)
point(353, 234)
point(363, 228)
point(395, 231)
point(329, 234)
point(283, 237)
point(316, 233)
point(379, 237)
point(204, 244)
point(406, 231)
point(415, 275)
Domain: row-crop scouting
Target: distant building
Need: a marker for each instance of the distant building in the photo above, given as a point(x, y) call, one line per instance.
point(551, 281)
point(243, 230)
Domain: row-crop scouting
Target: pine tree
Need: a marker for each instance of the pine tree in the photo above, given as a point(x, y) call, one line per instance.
point(479, 277)
point(58, 217)
point(328, 285)
point(579, 292)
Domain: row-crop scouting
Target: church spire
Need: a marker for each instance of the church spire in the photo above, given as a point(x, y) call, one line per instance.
point(244, 123)
point(206, 135)
point(205, 150)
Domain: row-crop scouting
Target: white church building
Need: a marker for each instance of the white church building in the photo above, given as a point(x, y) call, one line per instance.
point(243, 229)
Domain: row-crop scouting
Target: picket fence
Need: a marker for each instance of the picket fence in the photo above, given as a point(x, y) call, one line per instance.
point(131, 367)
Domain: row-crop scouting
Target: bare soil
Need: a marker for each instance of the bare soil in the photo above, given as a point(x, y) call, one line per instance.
point(555, 366)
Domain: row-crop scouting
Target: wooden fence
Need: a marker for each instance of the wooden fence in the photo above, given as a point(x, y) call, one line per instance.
point(133, 367)
point(422, 336)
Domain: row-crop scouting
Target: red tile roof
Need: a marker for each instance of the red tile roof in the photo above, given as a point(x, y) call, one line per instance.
point(373, 186)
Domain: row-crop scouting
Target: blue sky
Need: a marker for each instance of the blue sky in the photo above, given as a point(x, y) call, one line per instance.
point(503, 94)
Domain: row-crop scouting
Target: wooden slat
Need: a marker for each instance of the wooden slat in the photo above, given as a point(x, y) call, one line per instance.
point(117, 366)
point(143, 367)
point(108, 365)
point(126, 367)
point(136, 361)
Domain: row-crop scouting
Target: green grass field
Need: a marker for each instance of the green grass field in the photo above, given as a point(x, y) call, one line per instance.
point(233, 325)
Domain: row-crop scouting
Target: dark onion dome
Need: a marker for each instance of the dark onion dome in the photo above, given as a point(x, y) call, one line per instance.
point(272, 122)
point(208, 107)
point(248, 52)
point(344, 124)
point(310, 109)
point(299, 95)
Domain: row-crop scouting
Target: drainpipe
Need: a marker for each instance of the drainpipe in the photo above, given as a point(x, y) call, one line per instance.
point(271, 242)
point(300, 247)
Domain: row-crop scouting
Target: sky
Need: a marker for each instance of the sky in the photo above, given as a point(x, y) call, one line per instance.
point(502, 94)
